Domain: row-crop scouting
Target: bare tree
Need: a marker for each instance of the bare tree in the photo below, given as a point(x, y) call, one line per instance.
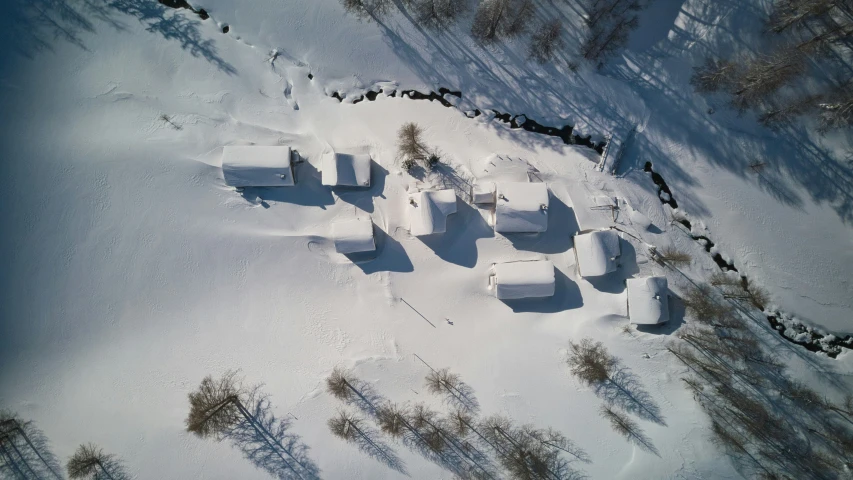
point(795, 13)
point(224, 409)
point(497, 19)
point(782, 112)
point(763, 76)
point(603, 41)
point(546, 41)
point(705, 306)
point(714, 75)
point(411, 148)
point(367, 9)
point(837, 110)
point(90, 462)
point(590, 362)
point(437, 13)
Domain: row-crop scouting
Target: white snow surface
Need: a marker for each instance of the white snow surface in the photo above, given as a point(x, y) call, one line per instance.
point(132, 271)
point(521, 207)
point(353, 236)
point(530, 279)
point(428, 211)
point(256, 166)
point(648, 302)
point(597, 252)
point(346, 170)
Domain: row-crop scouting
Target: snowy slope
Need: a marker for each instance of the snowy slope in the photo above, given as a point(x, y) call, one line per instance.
point(131, 270)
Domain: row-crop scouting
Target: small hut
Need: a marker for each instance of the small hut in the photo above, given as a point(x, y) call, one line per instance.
point(597, 252)
point(521, 207)
point(353, 236)
point(648, 302)
point(530, 279)
point(346, 170)
point(257, 166)
point(428, 211)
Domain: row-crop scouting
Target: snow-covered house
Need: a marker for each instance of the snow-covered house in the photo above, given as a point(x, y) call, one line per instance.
point(483, 192)
point(353, 236)
point(523, 279)
point(346, 170)
point(597, 252)
point(428, 211)
point(648, 303)
point(257, 166)
point(521, 207)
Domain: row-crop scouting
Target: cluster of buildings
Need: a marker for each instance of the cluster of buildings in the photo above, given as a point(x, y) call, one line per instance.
point(514, 206)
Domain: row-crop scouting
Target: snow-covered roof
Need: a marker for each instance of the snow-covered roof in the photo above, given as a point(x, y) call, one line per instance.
point(647, 300)
point(352, 236)
point(256, 166)
point(344, 169)
point(483, 192)
point(596, 252)
point(521, 207)
point(524, 279)
point(428, 211)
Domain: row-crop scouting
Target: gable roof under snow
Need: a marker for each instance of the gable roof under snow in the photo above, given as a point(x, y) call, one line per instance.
point(428, 211)
point(524, 279)
point(352, 236)
point(596, 252)
point(256, 166)
point(519, 207)
point(648, 303)
point(346, 170)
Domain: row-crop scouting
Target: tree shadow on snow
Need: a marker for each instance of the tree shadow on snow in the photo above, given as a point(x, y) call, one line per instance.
point(458, 244)
point(566, 296)
point(625, 391)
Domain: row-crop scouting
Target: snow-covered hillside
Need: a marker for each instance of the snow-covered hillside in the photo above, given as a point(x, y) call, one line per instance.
point(131, 271)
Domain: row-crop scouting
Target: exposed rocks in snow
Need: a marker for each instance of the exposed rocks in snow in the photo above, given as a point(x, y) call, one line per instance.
point(202, 13)
point(789, 328)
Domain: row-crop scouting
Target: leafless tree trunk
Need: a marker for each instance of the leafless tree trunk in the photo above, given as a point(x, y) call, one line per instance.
point(367, 9)
point(837, 111)
point(794, 13)
point(714, 75)
point(765, 75)
point(90, 462)
point(437, 13)
point(495, 19)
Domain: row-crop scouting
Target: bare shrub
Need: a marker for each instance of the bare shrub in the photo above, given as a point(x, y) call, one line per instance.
point(441, 381)
point(90, 462)
point(673, 256)
point(367, 9)
point(545, 42)
point(590, 362)
point(411, 148)
point(714, 75)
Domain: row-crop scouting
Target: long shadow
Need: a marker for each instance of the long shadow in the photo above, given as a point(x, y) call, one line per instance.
point(370, 442)
point(458, 244)
point(176, 25)
point(32, 26)
point(266, 441)
point(363, 197)
point(562, 224)
point(390, 256)
point(624, 390)
point(25, 449)
point(308, 191)
point(566, 296)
